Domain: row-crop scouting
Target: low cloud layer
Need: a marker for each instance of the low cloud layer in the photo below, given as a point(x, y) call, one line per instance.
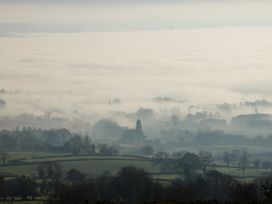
point(81, 72)
point(51, 63)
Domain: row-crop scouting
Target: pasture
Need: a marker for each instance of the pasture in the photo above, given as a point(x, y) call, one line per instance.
point(25, 163)
point(86, 164)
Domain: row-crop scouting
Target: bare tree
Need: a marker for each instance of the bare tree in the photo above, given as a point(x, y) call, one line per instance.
point(4, 157)
point(243, 161)
point(257, 163)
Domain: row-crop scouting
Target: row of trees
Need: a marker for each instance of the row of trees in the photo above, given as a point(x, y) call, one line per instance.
point(23, 187)
point(262, 164)
point(132, 185)
point(241, 158)
point(55, 140)
point(135, 186)
point(236, 156)
point(210, 137)
point(31, 139)
point(185, 163)
point(76, 146)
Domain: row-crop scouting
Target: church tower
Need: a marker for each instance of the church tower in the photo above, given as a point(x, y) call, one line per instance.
point(139, 131)
point(138, 125)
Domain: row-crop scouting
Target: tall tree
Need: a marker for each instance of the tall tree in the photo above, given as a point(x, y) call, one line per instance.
point(189, 163)
point(244, 159)
point(4, 156)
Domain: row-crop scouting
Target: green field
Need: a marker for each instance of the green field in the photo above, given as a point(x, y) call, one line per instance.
point(86, 164)
point(234, 171)
point(97, 164)
point(31, 155)
point(219, 149)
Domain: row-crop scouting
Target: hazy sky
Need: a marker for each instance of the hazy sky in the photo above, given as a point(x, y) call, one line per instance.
point(108, 15)
point(64, 56)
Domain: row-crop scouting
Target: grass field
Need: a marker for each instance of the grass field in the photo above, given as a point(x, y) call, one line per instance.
point(31, 155)
point(99, 164)
point(234, 171)
point(86, 164)
point(22, 202)
point(219, 149)
point(167, 176)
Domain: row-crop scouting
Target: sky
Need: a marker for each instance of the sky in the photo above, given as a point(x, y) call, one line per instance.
point(72, 57)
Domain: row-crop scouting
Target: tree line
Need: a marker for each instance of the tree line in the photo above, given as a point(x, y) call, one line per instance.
point(132, 185)
point(54, 141)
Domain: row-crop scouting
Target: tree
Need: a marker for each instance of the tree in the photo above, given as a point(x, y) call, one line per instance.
point(26, 187)
point(229, 157)
point(266, 164)
point(267, 191)
point(205, 157)
point(42, 173)
point(132, 185)
point(162, 159)
point(147, 150)
point(87, 147)
point(51, 174)
point(234, 154)
point(76, 144)
point(179, 191)
point(243, 161)
point(106, 150)
point(3, 193)
point(161, 155)
point(78, 193)
point(4, 156)
point(178, 154)
point(257, 163)
point(92, 149)
point(54, 172)
point(189, 163)
point(226, 158)
point(75, 176)
point(244, 193)
point(22, 186)
point(7, 141)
